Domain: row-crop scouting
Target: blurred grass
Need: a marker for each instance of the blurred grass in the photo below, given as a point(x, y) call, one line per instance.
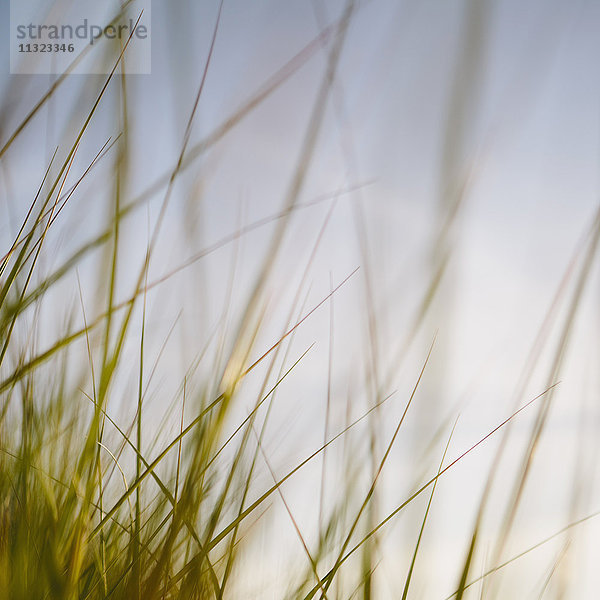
point(92, 506)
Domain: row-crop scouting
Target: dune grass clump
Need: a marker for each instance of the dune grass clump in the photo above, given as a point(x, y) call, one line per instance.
point(126, 472)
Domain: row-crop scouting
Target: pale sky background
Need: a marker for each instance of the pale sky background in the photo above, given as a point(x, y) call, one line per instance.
point(530, 139)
